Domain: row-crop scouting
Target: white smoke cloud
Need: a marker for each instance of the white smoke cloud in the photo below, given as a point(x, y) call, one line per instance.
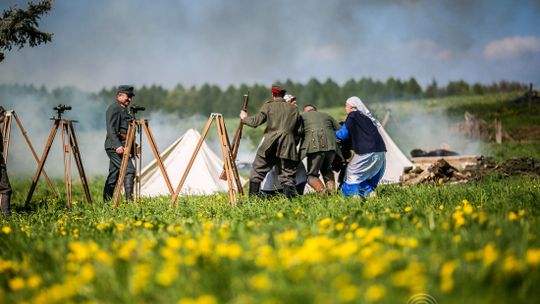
point(512, 47)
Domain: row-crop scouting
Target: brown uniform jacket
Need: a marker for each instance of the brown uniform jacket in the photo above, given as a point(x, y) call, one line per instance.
point(319, 132)
point(283, 126)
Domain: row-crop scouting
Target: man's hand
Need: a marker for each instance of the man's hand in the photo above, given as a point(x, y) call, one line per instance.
point(243, 114)
point(120, 150)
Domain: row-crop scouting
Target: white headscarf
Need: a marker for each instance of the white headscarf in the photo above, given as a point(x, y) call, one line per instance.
point(358, 105)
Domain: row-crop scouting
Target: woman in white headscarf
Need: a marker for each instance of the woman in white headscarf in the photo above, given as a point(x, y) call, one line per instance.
point(366, 168)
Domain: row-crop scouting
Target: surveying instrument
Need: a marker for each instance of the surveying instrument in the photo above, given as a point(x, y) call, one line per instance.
point(133, 147)
point(69, 146)
point(6, 136)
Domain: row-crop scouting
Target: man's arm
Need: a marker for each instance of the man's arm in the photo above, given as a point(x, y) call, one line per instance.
point(255, 120)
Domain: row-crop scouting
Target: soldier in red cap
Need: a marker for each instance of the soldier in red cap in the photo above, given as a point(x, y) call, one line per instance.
point(281, 136)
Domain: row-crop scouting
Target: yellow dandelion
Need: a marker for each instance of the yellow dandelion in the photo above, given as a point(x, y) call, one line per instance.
point(408, 209)
point(348, 293)
point(512, 216)
point(16, 283)
point(532, 257)
point(34, 281)
point(375, 293)
point(6, 230)
point(260, 282)
point(206, 299)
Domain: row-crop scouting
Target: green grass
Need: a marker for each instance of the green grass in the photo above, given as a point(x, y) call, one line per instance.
point(474, 242)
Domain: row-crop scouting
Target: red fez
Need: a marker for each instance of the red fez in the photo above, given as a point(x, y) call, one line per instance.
point(277, 89)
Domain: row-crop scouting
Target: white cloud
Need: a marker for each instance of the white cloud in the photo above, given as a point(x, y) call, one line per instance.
point(512, 47)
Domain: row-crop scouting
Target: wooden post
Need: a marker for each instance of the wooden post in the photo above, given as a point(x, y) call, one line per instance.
point(498, 133)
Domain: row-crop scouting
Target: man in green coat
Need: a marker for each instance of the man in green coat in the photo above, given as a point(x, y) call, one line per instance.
point(283, 126)
point(5, 186)
point(319, 146)
point(117, 119)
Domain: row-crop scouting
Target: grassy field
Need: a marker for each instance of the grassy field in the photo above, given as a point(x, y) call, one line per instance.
point(475, 243)
point(464, 243)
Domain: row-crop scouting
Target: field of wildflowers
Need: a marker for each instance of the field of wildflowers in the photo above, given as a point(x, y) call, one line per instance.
point(467, 243)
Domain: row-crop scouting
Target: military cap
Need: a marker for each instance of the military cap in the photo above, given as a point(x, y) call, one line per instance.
point(126, 89)
point(276, 89)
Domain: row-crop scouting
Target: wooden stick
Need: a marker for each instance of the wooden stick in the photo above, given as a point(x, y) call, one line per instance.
point(190, 164)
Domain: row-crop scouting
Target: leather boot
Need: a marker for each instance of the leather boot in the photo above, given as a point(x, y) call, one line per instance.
point(108, 193)
point(128, 188)
point(330, 182)
point(254, 188)
point(316, 184)
point(6, 203)
point(289, 191)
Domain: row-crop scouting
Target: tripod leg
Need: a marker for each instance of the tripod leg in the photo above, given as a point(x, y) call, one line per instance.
point(188, 168)
point(138, 163)
point(225, 152)
point(6, 135)
point(233, 167)
point(78, 162)
point(125, 158)
point(23, 131)
point(157, 156)
point(67, 161)
point(35, 179)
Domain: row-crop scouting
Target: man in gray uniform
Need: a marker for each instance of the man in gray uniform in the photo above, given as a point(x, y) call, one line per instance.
point(5, 186)
point(117, 120)
point(283, 126)
point(319, 145)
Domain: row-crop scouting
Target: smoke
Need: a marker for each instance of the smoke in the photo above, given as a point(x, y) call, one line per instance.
point(428, 129)
point(34, 111)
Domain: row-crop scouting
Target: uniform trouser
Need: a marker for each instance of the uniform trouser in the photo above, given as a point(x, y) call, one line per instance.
point(320, 161)
point(5, 188)
point(115, 161)
point(286, 169)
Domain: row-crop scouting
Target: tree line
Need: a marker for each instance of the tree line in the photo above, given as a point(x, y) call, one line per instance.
point(207, 98)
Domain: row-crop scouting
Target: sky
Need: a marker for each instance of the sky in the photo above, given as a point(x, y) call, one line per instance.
point(104, 43)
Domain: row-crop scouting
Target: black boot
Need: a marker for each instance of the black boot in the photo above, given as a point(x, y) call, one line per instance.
point(128, 188)
point(108, 192)
point(6, 203)
point(254, 188)
point(289, 191)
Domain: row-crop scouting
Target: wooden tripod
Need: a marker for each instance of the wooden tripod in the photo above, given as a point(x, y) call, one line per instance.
point(69, 145)
point(6, 135)
point(134, 128)
point(231, 172)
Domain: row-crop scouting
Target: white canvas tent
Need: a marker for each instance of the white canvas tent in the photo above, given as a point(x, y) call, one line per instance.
point(396, 161)
point(203, 178)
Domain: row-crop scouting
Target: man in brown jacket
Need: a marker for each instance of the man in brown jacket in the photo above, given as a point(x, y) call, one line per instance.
point(319, 145)
point(283, 125)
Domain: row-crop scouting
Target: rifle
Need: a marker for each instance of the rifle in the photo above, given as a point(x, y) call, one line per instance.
point(237, 136)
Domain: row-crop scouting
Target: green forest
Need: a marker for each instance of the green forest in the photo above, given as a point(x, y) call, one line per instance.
point(187, 101)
